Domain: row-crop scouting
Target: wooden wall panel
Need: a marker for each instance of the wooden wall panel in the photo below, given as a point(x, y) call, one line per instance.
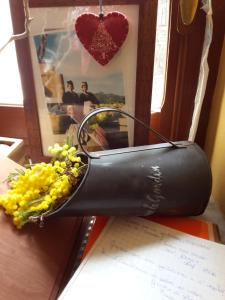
point(12, 122)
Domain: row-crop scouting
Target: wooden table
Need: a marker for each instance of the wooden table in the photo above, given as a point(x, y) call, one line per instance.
point(34, 262)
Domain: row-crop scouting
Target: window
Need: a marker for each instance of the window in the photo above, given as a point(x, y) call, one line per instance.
point(180, 73)
point(11, 91)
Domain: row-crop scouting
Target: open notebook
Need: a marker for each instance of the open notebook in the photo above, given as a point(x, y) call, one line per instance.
point(134, 258)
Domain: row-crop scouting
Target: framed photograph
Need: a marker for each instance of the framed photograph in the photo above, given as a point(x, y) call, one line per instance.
point(62, 81)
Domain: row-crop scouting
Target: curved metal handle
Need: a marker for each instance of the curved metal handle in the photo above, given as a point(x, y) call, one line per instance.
point(99, 110)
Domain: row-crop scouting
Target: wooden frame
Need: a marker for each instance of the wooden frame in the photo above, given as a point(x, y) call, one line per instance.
point(144, 72)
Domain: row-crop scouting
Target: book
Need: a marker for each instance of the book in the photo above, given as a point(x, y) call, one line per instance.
point(135, 258)
point(196, 227)
point(93, 226)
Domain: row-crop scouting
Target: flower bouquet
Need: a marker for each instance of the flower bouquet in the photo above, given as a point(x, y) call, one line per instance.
point(41, 188)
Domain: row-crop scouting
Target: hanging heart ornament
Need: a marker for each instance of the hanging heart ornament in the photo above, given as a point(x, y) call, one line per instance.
point(102, 36)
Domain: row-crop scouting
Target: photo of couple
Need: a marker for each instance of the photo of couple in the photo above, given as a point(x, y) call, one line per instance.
point(77, 106)
point(85, 98)
point(70, 94)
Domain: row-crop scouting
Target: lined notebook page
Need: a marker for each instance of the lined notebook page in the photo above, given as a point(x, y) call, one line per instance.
point(137, 259)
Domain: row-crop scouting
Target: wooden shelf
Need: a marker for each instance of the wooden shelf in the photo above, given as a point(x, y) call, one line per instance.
point(13, 148)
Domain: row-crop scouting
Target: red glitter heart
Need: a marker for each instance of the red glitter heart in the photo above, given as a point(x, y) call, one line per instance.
point(102, 36)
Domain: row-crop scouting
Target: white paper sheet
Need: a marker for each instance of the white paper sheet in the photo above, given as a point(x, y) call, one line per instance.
point(137, 259)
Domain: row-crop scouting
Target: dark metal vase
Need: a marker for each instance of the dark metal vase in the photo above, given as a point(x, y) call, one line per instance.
point(172, 179)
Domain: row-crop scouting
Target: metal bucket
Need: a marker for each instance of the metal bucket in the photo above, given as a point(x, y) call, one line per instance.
point(172, 179)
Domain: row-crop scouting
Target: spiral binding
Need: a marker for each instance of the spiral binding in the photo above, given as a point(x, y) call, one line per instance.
point(84, 234)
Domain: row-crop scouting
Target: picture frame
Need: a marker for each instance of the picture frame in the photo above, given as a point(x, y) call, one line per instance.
point(147, 14)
